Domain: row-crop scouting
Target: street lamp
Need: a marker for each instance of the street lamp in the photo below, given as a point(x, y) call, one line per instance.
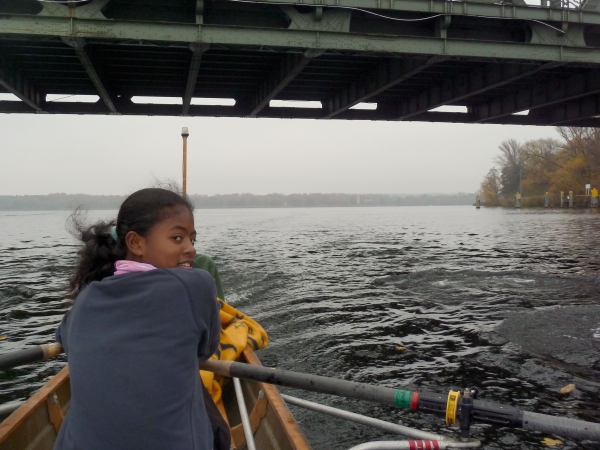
point(184, 135)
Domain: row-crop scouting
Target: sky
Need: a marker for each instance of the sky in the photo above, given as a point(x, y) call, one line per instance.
point(116, 155)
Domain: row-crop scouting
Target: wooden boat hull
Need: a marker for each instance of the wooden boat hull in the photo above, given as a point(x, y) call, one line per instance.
point(35, 425)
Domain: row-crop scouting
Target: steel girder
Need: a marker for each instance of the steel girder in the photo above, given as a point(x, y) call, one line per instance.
point(518, 10)
point(197, 51)
point(410, 74)
point(465, 85)
point(14, 83)
point(291, 38)
point(388, 74)
point(570, 112)
point(78, 45)
point(580, 113)
point(554, 91)
point(290, 66)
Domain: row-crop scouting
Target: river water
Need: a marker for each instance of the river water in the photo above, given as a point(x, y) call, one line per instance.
point(407, 297)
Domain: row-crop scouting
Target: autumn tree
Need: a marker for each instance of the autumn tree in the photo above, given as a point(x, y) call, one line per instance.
point(579, 158)
point(544, 165)
point(490, 188)
point(510, 161)
point(540, 164)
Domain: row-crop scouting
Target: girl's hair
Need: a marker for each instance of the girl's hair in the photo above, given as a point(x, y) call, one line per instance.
point(139, 212)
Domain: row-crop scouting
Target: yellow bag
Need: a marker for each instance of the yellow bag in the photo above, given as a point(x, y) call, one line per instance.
point(238, 331)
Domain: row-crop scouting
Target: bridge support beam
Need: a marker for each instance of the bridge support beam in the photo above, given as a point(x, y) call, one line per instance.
point(78, 45)
point(197, 52)
point(571, 112)
point(463, 86)
point(20, 87)
point(292, 38)
point(388, 74)
point(290, 66)
point(545, 94)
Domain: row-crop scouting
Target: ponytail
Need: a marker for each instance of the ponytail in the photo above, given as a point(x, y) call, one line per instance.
point(97, 255)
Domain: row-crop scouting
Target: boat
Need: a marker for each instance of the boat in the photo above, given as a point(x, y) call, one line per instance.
point(35, 424)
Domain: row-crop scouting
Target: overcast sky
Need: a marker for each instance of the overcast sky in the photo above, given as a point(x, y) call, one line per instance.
point(42, 154)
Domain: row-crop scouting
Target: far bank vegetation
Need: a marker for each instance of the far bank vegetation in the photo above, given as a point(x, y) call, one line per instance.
point(544, 165)
point(71, 201)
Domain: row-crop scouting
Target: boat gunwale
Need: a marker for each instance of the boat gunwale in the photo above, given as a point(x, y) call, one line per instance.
point(18, 417)
point(286, 419)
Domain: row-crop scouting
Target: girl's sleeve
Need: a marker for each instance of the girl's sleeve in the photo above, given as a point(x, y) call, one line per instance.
point(61, 332)
point(205, 308)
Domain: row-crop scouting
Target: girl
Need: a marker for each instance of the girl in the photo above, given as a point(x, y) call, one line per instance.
point(142, 322)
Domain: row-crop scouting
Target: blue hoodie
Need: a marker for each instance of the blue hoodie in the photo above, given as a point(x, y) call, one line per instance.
point(134, 344)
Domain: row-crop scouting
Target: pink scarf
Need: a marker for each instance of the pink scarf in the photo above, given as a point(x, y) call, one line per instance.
point(124, 266)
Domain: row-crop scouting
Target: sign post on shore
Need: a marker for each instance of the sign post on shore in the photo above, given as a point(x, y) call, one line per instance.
point(571, 199)
point(184, 135)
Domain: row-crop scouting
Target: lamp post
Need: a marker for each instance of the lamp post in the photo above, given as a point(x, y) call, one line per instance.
point(184, 135)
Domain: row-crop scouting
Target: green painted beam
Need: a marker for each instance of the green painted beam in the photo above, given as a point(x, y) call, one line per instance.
point(291, 39)
point(460, 8)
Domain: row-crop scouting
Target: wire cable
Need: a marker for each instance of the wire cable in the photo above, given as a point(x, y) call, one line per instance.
point(61, 98)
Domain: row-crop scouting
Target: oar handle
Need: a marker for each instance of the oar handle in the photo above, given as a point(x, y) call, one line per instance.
point(482, 411)
point(30, 355)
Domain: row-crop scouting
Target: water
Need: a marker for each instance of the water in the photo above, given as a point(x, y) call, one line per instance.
point(341, 291)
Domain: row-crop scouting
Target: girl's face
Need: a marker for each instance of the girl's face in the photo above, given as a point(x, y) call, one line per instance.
point(168, 244)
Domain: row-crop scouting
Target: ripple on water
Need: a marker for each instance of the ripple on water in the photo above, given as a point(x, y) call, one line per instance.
point(401, 297)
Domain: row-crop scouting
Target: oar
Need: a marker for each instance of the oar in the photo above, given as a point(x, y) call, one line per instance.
point(30, 355)
point(439, 404)
point(449, 406)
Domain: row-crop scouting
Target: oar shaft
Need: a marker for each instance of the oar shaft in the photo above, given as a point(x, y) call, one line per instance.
point(576, 429)
point(483, 411)
point(30, 355)
point(315, 383)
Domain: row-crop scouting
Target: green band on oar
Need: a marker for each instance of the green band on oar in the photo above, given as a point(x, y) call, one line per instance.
point(30, 355)
point(402, 398)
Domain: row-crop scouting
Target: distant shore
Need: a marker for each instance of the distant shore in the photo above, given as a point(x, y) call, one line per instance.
point(57, 202)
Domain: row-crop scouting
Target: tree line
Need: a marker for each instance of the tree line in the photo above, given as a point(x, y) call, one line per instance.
point(538, 166)
point(72, 201)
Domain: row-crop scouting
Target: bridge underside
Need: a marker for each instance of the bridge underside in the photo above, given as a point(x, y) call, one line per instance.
point(405, 60)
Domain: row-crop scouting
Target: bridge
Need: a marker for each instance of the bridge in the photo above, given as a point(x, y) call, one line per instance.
point(486, 61)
